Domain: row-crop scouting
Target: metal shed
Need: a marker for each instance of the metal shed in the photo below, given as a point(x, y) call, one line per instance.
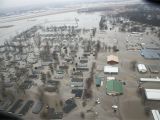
point(110, 69)
point(155, 114)
point(154, 68)
point(114, 87)
point(152, 94)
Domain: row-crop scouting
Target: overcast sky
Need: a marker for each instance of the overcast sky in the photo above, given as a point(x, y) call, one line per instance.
point(17, 3)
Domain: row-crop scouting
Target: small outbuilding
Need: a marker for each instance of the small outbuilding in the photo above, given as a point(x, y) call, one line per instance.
point(112, 59)
point(151, 98)
point(98, 81)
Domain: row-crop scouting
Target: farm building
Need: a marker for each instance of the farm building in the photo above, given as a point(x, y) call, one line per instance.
point(142, 68)
point(112, 59)
point(149, 79)
point(152, 98)
point(154, 68)
point(151, 83)
point(150, 54)
point(152, 94)
point(155, 115)
point(110, 69)
point(114, 87)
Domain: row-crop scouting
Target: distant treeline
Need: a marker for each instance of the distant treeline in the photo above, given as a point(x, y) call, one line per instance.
point(144, 14)
point(95, 9)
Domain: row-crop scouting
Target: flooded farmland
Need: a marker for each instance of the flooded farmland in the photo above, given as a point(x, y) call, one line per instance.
point(92, 63)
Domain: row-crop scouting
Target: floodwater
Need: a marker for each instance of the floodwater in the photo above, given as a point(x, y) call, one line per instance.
point(87, 20)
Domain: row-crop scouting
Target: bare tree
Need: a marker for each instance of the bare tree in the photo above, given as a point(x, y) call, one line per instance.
point(37, 40)
point(43, 77)
point(51, 67)
point(84, 103)
point(2, 85)
point(41, 94)
point(82, 114)
point(133, 65)
point(48, 75)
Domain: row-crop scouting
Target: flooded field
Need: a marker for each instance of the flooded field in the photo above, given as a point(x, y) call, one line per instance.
point(84, 20)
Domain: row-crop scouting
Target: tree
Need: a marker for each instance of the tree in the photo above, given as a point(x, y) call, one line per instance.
point(2, 86)
point(115, 49)
point(84, 103)
point(51, 68)
point(37, 40)
point(61, 103)
point(159, 35)
point(40, 94)
point(48, 75)
point(133, 65)
point(82, 115)
point(43, 77)
point(98, 45)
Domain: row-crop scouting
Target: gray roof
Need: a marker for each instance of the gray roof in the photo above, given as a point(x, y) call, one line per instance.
point(150, 53)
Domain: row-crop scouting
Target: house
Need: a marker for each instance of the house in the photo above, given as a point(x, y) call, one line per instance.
point(85, 54)
point(112, 59)
point(22, 64)
point(110, 69)
point(76, 82)
point(52, 114)
point(69, 105)
point(83, 60)
point(82, 66)
point(63, 67)
point(114, 87)
point(77, 74)
point(142, 68)
point(78, 92)
point(68, 59)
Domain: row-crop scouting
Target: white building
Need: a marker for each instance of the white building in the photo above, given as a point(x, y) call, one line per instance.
point(155, 114)
point(149, 79)
point(110, 69)
point(142, 68)
point(152, 94)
